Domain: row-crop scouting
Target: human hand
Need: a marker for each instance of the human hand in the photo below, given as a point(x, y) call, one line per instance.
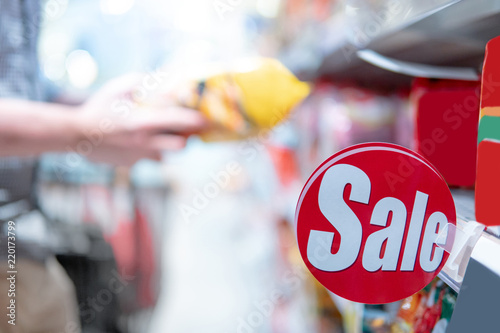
point(123, 131)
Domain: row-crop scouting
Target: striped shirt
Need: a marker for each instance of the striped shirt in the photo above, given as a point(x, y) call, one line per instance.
point(19, 78)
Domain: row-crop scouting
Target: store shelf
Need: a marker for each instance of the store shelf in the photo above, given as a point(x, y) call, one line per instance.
point(453, 34)
point(486, 250)
point(464, 203)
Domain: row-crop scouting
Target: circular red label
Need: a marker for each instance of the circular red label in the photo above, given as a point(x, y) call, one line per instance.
point(372, 223)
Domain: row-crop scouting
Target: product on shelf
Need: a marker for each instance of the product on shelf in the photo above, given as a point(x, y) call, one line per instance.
point(327, 317)
point(376, 319)
point(428, 311)
point(446, 121)
point(372, 115)
point(488, 155)
point(253, 97)
point(490, 89)
point(336, 116)
point(488, 183)
point(489, 128)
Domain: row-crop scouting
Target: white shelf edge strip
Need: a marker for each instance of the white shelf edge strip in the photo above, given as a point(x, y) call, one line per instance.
point(487, 252)
point(418, 70)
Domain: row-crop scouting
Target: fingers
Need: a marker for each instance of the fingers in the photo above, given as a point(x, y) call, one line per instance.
point(173, 120)
point(167, 142)
point(143, 133)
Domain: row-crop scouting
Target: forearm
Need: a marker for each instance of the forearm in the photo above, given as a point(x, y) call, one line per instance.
point(31, 128)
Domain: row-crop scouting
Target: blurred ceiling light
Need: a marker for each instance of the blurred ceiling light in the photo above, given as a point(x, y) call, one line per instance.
point(116, 7)
point(54, 40)
point(82, 69)
point(53, 67)
point(189, 20)
point(268, 8)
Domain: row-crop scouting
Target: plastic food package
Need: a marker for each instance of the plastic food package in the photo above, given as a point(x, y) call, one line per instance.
point(253, 97)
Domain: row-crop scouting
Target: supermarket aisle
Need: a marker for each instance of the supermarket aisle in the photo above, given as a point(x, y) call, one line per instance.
point(220, 263)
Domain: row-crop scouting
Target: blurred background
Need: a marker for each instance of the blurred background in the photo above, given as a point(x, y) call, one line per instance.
point(204, 240)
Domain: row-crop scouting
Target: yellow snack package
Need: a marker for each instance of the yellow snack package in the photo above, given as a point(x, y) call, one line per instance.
point(257, 95)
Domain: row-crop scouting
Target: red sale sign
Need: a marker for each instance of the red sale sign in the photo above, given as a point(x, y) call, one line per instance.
point(372, 223)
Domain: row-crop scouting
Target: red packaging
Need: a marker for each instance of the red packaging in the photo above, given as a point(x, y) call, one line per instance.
point(488, 183)
point(490, 91)
point(446, 122)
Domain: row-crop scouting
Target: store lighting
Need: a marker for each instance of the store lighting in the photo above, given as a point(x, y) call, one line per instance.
point(116, 7)
point(189, 20)
point(82, 69)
